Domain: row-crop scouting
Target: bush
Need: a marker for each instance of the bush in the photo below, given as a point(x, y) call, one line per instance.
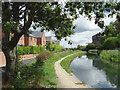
point(41, 48)
point(90, 46)
point(20, 50)
point(26, 50)
point(56, 48)
point(110, 55)
point(43, 56)
point(110, 43)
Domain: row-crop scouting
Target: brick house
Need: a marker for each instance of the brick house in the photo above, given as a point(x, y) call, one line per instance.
point(49, 39)
point(40, 36)
point(30, 41)
point(36, 38)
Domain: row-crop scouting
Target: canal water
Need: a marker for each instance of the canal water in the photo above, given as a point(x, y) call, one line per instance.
point(94, 72)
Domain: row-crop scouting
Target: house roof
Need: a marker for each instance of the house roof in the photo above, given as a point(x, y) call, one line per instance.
point(48, 38)
point(37, 34)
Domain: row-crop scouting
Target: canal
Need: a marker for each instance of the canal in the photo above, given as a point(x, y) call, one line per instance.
point(94, 72)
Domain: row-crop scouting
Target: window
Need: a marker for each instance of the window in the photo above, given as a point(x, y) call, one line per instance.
point(34, 39)
point(31, 38)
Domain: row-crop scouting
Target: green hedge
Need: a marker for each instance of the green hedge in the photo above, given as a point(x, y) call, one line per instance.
point(56, 48)
point(22, 50)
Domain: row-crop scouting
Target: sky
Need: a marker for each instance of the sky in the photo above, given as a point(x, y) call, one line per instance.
point(83, 32)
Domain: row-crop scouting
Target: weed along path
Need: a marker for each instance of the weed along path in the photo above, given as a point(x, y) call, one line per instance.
point(65, 79)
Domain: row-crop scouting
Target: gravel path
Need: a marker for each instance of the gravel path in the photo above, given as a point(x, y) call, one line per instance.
point(65, 79)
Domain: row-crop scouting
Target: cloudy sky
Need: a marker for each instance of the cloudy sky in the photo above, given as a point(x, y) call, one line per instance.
point(83, 32)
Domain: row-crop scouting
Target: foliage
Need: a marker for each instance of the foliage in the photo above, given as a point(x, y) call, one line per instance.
point(66, 62)
point(90, 46)
point(111, 30)
point(14, 14)
point(48, 46)
point(93, 51)
point(37, 76)
point(110, 55)
point(56, 48)
point(26, 50)
point(110, 43)
point(22, 50)
point(79, 47)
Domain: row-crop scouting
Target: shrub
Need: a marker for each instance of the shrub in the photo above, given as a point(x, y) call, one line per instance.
point(43, 56)
point(20, 50)
point(110, 43)
point(30, 50)
point(110, 55)
point(90, 46)
point(41, 48)
point(56, 48)
point(26, 50)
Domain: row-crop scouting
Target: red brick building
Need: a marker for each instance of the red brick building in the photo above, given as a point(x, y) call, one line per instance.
point(36, 38)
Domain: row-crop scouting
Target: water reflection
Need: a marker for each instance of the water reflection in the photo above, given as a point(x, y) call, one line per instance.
point(94, 72)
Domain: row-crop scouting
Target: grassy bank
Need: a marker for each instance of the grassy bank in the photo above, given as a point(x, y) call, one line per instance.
point(110, 56)
point(93, 51)
point(35, 75)
point(66, 62)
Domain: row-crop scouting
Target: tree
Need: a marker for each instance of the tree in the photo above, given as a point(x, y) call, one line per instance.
point(90, 46)
point(79, 47)
point(18, 17)
point(110, 43)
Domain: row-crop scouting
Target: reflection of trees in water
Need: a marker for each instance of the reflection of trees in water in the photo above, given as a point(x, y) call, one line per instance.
point(110, 69)
point(91, 56)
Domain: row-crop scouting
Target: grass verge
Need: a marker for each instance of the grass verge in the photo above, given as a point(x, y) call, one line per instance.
point(37, 76)
point(110, 56)
point(66, 62)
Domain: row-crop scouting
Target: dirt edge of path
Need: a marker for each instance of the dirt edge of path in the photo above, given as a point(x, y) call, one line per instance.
point(65, 80)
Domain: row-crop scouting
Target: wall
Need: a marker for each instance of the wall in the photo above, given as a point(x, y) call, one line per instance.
point(43, 40)
point(33, 42)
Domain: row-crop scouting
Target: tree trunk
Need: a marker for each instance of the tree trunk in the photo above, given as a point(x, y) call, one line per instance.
point(10, 64)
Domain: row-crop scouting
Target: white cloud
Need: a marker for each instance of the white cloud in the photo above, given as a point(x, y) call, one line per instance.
point(83, 33)
point(107, 20)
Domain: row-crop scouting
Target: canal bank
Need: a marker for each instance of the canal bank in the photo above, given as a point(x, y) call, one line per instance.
point(94, 72)
point(65, 79)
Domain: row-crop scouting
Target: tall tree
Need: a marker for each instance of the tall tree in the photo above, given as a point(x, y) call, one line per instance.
point(18, 17)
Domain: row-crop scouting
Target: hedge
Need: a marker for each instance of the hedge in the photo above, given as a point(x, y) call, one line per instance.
point(22, 50)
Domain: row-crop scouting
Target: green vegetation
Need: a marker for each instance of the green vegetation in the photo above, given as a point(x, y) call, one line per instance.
point(22, 50)
point(110, 43)
point(110, 56)
point(48, 46)
point(56, 48)
point(66, 62)
point(90, 46)
point(93, 51)
point(80, 47)
point(40, 73)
